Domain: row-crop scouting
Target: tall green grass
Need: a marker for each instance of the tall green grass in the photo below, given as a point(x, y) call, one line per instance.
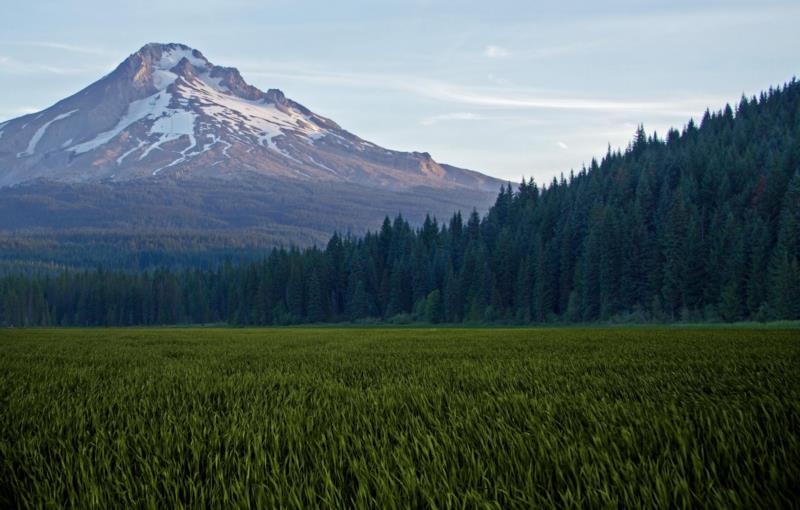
point(370, 418)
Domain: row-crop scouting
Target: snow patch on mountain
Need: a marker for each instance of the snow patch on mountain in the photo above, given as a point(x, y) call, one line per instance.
point(150, 107)
point(262, 120)
point(174, 122)
point(40, 133)
point(321, 165)
point(130, 151)
point(163, 79)
point(172, 56)
point(203, 95)
point(172, 125)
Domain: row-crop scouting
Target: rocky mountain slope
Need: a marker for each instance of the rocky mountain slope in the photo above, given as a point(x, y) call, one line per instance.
point(166, 111)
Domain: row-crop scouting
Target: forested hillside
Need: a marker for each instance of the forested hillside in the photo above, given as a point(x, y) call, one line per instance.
point(176, 221)
point(703, 224)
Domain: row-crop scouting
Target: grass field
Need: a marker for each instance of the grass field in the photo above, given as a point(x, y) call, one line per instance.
point(302, 418)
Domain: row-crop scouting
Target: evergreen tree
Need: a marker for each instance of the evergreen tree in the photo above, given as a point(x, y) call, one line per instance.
point(702, 224)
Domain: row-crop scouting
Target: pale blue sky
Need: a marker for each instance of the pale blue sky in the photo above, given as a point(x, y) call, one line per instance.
point(508, 88)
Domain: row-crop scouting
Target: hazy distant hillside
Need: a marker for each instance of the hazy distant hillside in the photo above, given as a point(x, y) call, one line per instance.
point(140, 224)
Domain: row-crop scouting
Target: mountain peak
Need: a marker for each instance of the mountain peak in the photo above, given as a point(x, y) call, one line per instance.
point(167, 55)
point(166, 46)
point(172, 57)
point(167, 111)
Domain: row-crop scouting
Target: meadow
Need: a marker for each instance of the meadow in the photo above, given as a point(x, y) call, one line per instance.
point(400, 418)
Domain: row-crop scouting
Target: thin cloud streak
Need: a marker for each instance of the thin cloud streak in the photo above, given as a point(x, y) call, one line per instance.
point(15, 67)
point(72, 48)
point(492, 97)
point(435, 119)
point(12, 66)
point(498, 99)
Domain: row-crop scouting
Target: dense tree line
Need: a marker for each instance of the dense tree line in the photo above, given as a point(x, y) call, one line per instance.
point(703, 224)
point(54, 250)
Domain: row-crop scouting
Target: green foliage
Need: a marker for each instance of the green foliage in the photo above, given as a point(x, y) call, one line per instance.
point(402, 418)
point(702, 225)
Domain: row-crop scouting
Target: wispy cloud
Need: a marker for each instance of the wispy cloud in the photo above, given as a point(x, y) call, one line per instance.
point(13, 66)
point(457, 116)
point(503, 98)
point(494, 97)
point(71, 48)
point(522, 99)
point(492, 51)
point(563, 145)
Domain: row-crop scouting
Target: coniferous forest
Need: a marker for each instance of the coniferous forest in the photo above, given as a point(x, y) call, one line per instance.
point(702, 224)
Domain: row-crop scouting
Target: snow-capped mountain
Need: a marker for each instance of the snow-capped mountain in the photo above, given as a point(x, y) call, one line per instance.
point(166, 111)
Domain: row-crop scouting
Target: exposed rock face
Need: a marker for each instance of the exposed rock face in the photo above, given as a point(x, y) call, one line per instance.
point(166, 111)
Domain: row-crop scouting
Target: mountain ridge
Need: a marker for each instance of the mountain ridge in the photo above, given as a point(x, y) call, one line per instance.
point(167, 110)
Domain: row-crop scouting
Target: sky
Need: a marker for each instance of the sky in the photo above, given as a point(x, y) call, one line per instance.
point(510, 88)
